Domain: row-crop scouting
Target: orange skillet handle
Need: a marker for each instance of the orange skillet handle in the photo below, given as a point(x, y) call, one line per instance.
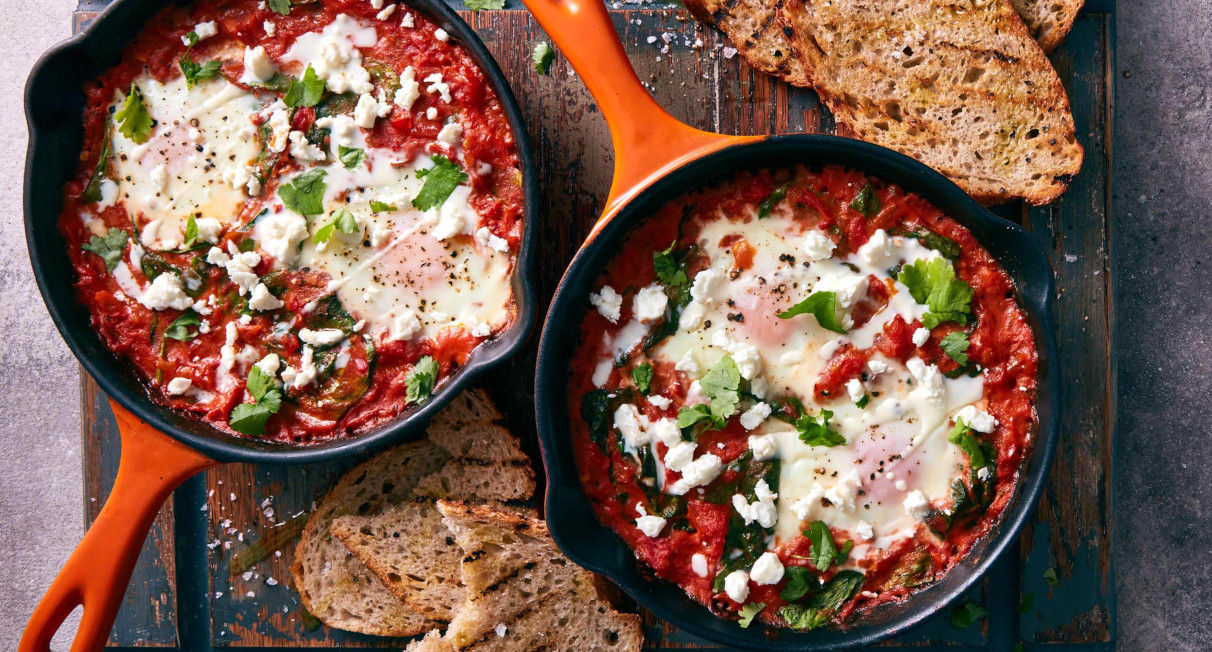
point(647, 141)
point(96, 575)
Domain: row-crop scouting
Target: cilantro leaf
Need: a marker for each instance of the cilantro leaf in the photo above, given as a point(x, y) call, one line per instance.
point(250, 418)
point(92, 192)
point(350, 157)
point(821, 607)
point(823, 306)
point(342, 220)
point(440, 181)
point(967, 614)
point(305, 195)
point(689, 415)
point(259, 383)
point(748, 612)
point(179, 329)
point(961, 435)
point(822, 551)
point(866, 202)
point(721, 384)
point(542, 57)
point(479, 5)
point(191, 232)
point(306, 91)
point(108, 248)
point(1051, 578)
point(955, 345)
point(195, 72)
point(421, 380)
point(642, 375)
point(280, 6)
point(816, 432)
point(932, 283)
point(134, 121)
point(377, 206)
point(777, 195)
point(191, 38)
point(800, 582)
point(668, 270)
point(863, 402)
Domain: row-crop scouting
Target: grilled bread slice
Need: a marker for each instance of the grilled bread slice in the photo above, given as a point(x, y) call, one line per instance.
point(522, 593)
point(753, 27)
point(960, 86)
point(1048, 20)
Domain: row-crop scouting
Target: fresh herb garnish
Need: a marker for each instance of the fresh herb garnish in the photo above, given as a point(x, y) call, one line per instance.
point(108, 248)
point(955, 345)
point(821, 607)
point(440, 181)
point(250, 418)
point(863, 402)
point(92, 192)
point(421, 380)
point(305, 195)
point(134, 121)
point(306, 91)
point(542, 57)
point(823, 306)
point(195, 72)
point(823, 551)
point(966, 615)
point(668, 270)
point(179, 329)
point(377, 206)
point(932, 283)
point(642, 376)
point(191, 232)
point(963, 436)
point(721, 385)
point(800, 582)
point(942, 244)
point(814, 430)
point(342, 220)
point(280, 6)
point(777, 195)
point(748, 612)
point(866, 202)
point(350, 157)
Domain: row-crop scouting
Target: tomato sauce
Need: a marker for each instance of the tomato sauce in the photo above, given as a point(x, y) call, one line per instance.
point(1002, 344)
point(370, 389)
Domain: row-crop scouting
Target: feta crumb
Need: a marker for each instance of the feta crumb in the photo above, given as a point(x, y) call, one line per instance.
point(651, 526)
point(649, 303)
point(321, 337)
point(437, 85)
point(876, 367)
point(366, 111)
point(665, 431)
point(409, 89)
point(983, 473)
point(302, 150)
point(768, 569)
point(842, 494)
point(688, 364)
point(659, 401)
point(270, 364)
point(864, 530)
point(817, 246)
point(178, 386)
point(764, 447)
point(803, 507)
point(269, 27)
point(754, 416)
point(258, 67)
point(630, 423)
point(205, 30)
point(759, 387)
point(854, 387)
point(431, 113)
point(699, 472)
point(407, 21)
point(929, 380)
point(921, 336)
point(706, 283)
point(736, 586)
point(698, 564)
point(386, 12)
point(304, 374)
point(978, 420)
point(679, 456)
point(916, 505)
point(441, 35)
point(500, 629)
point(166, 292)
point(405, 326)
point(763, 510)
point(209, 229)
point(608, 302)
point(451, 133)
point(262, 299)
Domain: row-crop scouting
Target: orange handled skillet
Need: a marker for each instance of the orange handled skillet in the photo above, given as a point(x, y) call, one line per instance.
point(161, 449)
point(657, 159)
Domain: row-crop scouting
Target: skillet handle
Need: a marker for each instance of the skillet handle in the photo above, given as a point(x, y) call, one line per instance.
point(647, 141)
point(96, 575)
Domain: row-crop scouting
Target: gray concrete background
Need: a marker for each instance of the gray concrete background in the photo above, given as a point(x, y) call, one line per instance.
point(1163, 258)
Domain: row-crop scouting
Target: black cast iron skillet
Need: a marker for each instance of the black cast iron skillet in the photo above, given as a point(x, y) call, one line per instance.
point(160, 448)
point(658, 159)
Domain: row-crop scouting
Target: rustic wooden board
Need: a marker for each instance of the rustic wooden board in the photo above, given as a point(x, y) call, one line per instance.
point(185, 595)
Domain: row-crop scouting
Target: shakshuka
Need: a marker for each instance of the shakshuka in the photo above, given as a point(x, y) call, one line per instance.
point(801, 393)
point(295, 220)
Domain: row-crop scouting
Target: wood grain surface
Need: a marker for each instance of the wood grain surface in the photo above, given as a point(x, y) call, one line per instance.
point(185, 594)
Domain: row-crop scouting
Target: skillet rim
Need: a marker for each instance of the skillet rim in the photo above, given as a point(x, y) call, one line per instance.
point(76, 55)
point(571, 519)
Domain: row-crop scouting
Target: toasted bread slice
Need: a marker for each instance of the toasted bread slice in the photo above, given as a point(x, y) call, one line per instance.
point(1048, 20)
point(333, 584)
point(522, 593)
point(753, 28)
point(963, 89)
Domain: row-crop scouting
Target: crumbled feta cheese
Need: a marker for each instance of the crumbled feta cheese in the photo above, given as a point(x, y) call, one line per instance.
point(763, 510)
point(848, 287)
point(279, 234)
point(178, 386)
point(688, 364)
point(407, 21)
point(854, 387)
point(437, 85)
point(166, 292)
point(916, 505)
point(608, 302)
point(441, 35)
point(481, 329)
point(817, 246)
point(451, 133)
point(269, 27)
point(665, 431)
point(876, 367)
point(263, 299)
point(759, 387)
point(767, 570)
point(842, 494)
point(928, 379)
point(706, 283)
point(321, 337)
point(754, 416)
point(651, 526)
point(746, 356)
point(629, 422)
point(698, 564)
point(205, 30)
point(764, 447)
point(864, 530)
point(269, 365)
point(692, 316)
point(921, 336)
point(405, 326)
point(366, 111)
point(804, 507)
point(736, 586)
point(258, 67)
point(694, 394)
point(877, 251)
point(659, 401)
point(409, 89)
point(209, 229)
point(701, 471)
point(649, 303)
point(227, 354)
point(431, 113)
point(239, 266)
point(500, 629)
point(983, 474)
point(679, 456)
point(304, 374)
point(302, 150)
point(386, 12)
point(978, 420)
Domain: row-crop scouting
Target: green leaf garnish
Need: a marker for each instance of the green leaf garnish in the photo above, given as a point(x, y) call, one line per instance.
point(777, 195)
point(191, 38)
point(955, 345)
point(421, 380)
point(668, 270)
point(689, 415)
point(108, 248)
point(966, 615)
point(195, 72)
point(342, 220)
point(377, 206)
point(542, 57)
point(179, 329)
point(866, 202)
point(280, 6)
point(721, 384)
point(963, 436)
point(814, 430)
point(642, 375)
point(748, 612)
point(940, 243)
point(823, 306)
point(350, 157)
point(305, 195)
point(823, 551)
point(134, 121)
point(250, 418)
point(863, 402)
point(306, 91)
point(440, 181)
point(932, 283)
point(800, 582)
point(191, 232)
point(823, 606)
point(480, 5)
point(259, 383)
